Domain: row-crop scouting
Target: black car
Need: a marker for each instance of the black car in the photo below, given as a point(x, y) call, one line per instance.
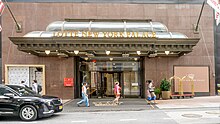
point(23, 102)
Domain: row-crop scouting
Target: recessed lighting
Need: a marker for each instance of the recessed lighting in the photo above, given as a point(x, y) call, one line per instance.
point(167, 52)
point(111, 59)
point(107, 52)
point(47, 52)
point(139, 52)
point(76, 52)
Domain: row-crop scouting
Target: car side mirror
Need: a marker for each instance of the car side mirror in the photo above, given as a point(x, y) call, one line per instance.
point(11, 95)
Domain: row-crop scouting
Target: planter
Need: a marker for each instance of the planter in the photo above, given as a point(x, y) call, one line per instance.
point(166, 95)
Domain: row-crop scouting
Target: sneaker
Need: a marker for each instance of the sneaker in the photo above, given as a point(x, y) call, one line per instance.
point(78, 104)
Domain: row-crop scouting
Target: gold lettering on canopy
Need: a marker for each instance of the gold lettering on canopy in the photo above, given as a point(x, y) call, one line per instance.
point(104, 34)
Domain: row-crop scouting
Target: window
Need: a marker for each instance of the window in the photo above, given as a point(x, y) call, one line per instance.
point(3, 90)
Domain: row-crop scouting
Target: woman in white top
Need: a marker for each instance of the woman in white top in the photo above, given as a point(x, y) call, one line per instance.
point(151, 95)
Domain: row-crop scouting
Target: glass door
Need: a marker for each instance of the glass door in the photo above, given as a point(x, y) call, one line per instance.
point(106, 82)
point(101, 77)
point(131, 83)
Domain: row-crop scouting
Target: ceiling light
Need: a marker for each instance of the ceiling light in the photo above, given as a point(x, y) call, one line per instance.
point(107, 52)
point(111, 59)
point(139, 52)
point(76, 52)
point(135, 59)
point(47, 52)
point(167, 52)
point(86, 58)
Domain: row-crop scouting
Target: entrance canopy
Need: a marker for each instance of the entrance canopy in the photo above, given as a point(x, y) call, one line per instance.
point(105, 38)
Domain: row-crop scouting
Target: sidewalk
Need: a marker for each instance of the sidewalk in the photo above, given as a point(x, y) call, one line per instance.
point(138, 104)
point(196, 102)
point(129, 104)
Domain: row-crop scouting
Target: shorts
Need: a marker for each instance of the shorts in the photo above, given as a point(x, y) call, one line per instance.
point(151, 98)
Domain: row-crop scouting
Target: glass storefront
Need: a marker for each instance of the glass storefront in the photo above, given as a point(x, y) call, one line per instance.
point(101, 77)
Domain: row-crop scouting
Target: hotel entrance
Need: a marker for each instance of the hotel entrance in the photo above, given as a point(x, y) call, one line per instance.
point(101, 77)
point(102, 51)
point(106, 82)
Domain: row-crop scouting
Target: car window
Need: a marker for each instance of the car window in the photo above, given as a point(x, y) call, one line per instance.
point(3, 90)
point(23, 91)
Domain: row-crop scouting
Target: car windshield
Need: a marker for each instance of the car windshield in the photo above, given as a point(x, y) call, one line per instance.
point(23, 91)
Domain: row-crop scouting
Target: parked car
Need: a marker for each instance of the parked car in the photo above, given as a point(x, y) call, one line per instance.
point(21, 101)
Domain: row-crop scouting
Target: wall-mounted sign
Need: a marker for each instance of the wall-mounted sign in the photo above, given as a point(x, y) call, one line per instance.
point(104, 34)
point(198, 75)
point(68, 82)
point(134, 84)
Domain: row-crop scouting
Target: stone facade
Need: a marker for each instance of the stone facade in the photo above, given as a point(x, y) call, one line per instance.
point(177, 17)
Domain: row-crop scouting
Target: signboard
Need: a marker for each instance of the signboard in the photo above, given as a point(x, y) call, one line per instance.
point(68, 82)
point(104, 34)
point(134, 84)
point(199, 75)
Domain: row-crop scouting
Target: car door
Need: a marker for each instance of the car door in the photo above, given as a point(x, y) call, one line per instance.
point(7, 104)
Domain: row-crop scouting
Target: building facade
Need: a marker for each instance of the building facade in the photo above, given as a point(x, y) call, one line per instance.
point(84, 58)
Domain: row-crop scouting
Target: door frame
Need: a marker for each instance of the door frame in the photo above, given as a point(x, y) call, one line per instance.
point(121, 82)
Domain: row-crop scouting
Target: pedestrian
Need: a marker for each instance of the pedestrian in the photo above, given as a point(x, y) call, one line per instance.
point(150, 92)
point(117, 93)
point(85, 98)
point(35, 86)
point(23, 84)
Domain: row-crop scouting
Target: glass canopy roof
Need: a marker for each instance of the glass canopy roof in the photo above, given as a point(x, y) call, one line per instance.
point(160, 29)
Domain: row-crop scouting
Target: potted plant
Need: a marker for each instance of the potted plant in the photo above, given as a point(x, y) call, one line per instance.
point(157, 92)
point(165, 88)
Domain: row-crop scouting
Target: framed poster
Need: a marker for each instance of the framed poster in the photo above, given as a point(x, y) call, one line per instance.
point(198, 75)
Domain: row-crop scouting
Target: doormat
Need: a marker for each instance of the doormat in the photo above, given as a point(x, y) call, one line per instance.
point(108, 103)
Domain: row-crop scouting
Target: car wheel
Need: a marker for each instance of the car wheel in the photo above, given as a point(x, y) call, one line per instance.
point(28, 113)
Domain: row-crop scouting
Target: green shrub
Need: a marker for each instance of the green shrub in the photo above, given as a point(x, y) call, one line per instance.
point(157, 91)
point(165, 85)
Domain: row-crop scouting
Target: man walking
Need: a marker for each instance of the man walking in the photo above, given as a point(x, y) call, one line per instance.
point(84, 96)
point(23, 84)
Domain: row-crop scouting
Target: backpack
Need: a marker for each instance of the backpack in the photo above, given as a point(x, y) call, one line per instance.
point(39, 88)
